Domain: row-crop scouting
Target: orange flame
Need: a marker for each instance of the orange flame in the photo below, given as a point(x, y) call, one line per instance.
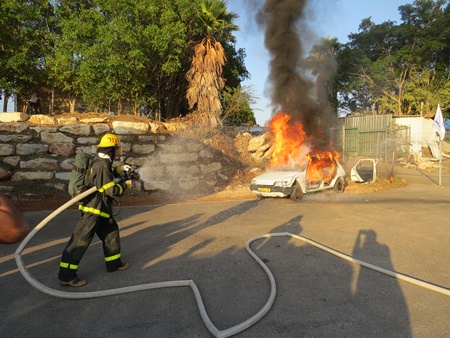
point(321, 167)
point(289, 141)
point(291, 148)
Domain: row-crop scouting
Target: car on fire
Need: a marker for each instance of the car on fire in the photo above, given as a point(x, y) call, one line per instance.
point(319, 174)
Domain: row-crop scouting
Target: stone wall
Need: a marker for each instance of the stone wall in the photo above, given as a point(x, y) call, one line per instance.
point(39, 150)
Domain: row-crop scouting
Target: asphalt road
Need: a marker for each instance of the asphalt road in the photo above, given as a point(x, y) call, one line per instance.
point(318, 294)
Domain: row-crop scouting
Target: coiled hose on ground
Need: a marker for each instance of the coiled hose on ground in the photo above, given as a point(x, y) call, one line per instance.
point(190, 283)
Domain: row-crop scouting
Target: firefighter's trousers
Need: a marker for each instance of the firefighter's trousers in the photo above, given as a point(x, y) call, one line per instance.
point(108, 232)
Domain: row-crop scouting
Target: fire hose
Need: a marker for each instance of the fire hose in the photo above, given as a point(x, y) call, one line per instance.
point(190, 283)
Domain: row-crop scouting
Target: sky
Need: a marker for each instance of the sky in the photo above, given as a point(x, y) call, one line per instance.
point(328, 18)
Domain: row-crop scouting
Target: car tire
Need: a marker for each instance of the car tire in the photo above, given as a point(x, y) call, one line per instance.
point(339, 186)
point(297, 193)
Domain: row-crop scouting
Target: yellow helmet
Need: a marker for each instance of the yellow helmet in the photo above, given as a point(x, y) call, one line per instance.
point(109, 140)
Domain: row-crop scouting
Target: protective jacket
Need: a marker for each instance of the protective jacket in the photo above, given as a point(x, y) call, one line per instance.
point(101, 175)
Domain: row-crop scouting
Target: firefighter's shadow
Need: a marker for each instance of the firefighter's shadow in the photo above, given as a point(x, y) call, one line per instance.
point(333, 295)
point(379, 295)
point(160, 238)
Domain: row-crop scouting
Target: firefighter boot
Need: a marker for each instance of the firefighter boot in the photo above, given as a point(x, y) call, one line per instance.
point(74, 282)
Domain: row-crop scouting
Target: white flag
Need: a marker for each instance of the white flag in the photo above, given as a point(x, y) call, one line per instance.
point(439, 123)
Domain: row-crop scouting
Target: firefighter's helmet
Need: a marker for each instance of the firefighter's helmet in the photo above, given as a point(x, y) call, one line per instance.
point(109, 140)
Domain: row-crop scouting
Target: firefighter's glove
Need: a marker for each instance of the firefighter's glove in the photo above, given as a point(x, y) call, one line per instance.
point(131, 184)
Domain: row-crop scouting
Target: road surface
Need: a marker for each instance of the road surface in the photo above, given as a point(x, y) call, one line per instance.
point(318, 294)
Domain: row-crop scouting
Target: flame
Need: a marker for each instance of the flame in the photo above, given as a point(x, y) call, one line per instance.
point(289, 141)
point(321, 167)
point(292, 148)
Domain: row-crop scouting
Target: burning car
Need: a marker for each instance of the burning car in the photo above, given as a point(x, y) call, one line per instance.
point(320, 173)
point(298, 167)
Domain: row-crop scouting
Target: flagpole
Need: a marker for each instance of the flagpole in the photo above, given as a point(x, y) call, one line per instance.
point(438, 125)
point(440, 162)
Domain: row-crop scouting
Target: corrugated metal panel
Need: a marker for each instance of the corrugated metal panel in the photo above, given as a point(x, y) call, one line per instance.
point(369, 122)
point(372, 136)
point(351, 141)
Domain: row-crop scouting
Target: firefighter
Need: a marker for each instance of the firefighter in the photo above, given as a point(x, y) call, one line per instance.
point(96, 214)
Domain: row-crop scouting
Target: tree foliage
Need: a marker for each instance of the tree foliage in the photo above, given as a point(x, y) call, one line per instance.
point(108, 52)
point(24, 43)
point(123, 51)
point(401, 69)
point(237, 106)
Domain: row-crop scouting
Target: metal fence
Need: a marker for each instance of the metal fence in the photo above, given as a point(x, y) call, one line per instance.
point(374, 136)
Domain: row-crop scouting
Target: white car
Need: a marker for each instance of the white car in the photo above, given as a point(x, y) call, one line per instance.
point(319, 175)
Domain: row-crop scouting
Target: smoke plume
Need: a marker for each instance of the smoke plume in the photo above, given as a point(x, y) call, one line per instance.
point(292, 88)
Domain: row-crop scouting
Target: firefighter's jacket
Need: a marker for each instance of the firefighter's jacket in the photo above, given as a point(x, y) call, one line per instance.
point(101, 175)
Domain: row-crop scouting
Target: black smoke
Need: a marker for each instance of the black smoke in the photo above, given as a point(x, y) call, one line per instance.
point(293, 89)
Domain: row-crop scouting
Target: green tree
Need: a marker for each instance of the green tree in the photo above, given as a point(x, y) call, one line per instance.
point(205, 75)
point(234, 71)
point(237, 106)
point(168, 44)
point(120, 51)
point(109, 52)
point(425, 26)
point(400, 69)
point(24, 43)
point(365, 72)
point(76, 30)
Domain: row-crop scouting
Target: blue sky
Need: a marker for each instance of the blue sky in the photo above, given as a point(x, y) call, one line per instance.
point(328, 18)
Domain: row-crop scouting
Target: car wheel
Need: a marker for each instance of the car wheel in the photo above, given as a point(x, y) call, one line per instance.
point(339, 186)
point(297, 193)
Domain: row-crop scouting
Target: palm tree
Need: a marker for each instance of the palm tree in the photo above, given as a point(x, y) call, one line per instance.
point(204, 76)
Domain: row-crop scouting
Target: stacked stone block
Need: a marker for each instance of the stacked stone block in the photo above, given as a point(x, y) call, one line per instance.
point(42, 150)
